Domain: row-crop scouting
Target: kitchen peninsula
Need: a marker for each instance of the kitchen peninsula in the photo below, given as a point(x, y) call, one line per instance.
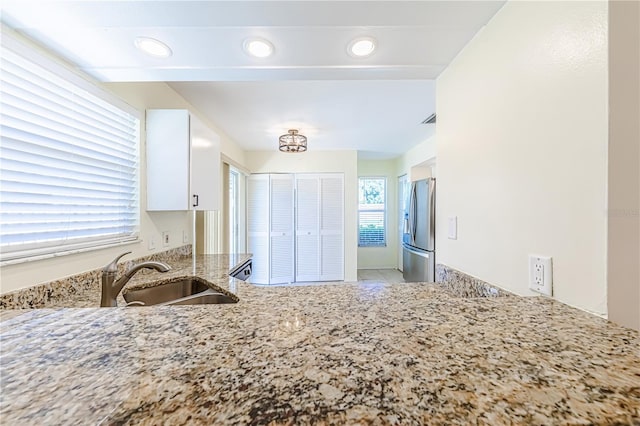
point(343, 353)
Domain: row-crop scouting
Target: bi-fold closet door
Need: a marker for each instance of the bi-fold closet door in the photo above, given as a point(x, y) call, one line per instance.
point(270, 227)
point(319, 227)
point(296, 227)
point(281, 229)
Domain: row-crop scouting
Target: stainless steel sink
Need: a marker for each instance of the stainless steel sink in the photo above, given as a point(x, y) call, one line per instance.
point(187, 291)
point(204, 299)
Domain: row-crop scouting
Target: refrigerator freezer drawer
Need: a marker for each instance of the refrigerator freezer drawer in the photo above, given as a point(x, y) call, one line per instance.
point(418, 266)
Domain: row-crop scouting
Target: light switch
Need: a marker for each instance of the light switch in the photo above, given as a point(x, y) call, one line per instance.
point(453, 228)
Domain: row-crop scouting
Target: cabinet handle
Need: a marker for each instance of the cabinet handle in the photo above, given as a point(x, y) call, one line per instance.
point(196, 200)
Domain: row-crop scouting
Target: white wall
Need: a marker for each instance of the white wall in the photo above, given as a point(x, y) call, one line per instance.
point(412, 162)
point(141, 96)
point(382, 257)
point(318, 162)
point(161, 95)
point(522, 150)
point(623, 269)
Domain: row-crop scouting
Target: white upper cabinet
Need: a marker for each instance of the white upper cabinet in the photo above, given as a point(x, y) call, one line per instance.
point(183, 162)
point(205, 167)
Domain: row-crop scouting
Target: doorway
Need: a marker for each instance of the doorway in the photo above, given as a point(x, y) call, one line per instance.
point(403, 191)
point(236, 221)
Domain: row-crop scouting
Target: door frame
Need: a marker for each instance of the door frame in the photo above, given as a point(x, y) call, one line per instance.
point(403, 186)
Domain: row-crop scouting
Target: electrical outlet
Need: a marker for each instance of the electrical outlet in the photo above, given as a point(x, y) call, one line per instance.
point(540, 274)
point(165, 239)
point(185, 237)
point(152, 242)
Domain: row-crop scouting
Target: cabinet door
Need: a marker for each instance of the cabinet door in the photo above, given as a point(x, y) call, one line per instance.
point(307, 226)
point(167, 151)
point(281, 232)
point(183, 162)
point(258, 226)
point(205, 167)
point(331, 227)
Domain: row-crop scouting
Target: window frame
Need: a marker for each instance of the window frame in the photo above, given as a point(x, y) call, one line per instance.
point(233, 209)
point(30, 251)
point(384, 211)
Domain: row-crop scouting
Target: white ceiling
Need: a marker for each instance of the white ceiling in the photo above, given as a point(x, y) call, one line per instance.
point(379, 118)
point(374, 105)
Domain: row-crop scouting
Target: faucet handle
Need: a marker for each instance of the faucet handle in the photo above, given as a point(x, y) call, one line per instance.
point(113, 266)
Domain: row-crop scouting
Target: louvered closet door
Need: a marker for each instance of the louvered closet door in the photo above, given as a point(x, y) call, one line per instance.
point(307, 226)
point(331, 227)
point(281, 239)
point(258, 226)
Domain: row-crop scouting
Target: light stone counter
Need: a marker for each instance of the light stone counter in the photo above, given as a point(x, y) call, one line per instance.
point(329, 354)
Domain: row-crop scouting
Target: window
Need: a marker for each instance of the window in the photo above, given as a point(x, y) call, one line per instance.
point(371, 212)
point(68, 160)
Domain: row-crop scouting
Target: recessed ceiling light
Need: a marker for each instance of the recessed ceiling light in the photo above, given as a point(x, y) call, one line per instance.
point(258, 47)
point(153, 47)
point(362, 47)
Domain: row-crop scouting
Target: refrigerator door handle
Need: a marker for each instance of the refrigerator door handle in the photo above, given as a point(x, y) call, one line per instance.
point(414, 212)
point(432, 214)
point(410, 214)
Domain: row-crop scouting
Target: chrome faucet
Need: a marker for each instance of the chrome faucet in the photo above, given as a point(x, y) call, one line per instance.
point(111, 287)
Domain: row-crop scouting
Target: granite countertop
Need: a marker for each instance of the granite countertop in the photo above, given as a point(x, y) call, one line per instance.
point(343, 353)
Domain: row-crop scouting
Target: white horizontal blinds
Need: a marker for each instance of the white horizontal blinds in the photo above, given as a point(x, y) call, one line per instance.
point(371, 228)
point(68, 164)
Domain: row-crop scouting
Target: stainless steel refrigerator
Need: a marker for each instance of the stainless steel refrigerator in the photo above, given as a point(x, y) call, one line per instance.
point(418, 240)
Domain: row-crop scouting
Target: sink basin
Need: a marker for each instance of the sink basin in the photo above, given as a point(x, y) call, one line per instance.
point(187, 291)
point(204, 299)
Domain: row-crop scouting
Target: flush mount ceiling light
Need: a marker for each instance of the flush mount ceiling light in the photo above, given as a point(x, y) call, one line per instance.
point(258, 47)
point(293, 142)
point(362, 47)
point(153, 47)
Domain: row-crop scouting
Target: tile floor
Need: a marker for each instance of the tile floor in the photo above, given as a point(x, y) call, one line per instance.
point(367, 276)
point(380, 275)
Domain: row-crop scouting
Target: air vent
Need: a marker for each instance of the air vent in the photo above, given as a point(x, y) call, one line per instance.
point(430, 119)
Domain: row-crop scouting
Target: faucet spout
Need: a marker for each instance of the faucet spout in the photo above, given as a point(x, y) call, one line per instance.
point(111, 287)
point(120, 283)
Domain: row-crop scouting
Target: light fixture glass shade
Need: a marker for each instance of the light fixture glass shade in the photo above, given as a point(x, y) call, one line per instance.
point(293, 142)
